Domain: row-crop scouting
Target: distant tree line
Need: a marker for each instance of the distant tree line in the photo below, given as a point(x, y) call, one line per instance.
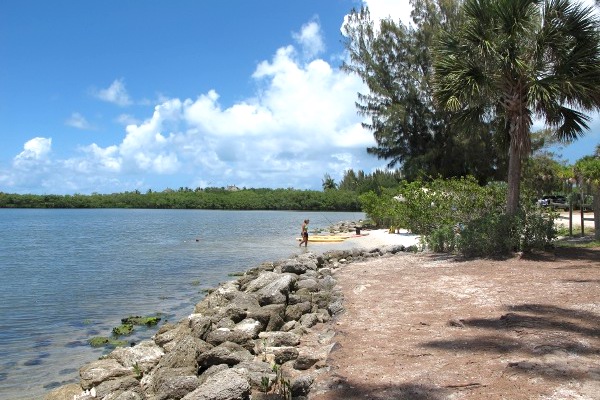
point(185, 198)
point(334, 197)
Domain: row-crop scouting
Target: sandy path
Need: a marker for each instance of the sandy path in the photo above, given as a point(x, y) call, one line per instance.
point(422, 326)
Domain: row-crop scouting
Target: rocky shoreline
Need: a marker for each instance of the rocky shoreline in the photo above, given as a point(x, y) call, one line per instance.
point(265, 335)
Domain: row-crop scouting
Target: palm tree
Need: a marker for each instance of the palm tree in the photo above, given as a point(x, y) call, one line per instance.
point(328, 183)
point(514, 61)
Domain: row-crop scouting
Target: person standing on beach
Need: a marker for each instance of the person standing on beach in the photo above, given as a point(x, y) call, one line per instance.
point(304, 233)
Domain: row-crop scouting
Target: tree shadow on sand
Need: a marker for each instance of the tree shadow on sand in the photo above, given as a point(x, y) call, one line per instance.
point(349, 390)
point(544, 340)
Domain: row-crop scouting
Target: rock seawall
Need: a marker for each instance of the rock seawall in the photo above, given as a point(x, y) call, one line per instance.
point(264, 335)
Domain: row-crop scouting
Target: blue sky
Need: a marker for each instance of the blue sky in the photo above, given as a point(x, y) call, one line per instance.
point(111, 96)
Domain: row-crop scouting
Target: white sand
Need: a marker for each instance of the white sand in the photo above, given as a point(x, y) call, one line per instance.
point(381, 237)
point(371, 239)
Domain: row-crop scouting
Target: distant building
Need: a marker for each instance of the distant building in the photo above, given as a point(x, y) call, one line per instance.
point(233, 188)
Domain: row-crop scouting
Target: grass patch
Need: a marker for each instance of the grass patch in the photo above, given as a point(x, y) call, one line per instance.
point(578, 241)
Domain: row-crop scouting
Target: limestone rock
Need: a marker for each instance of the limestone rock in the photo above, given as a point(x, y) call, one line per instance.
point(293, 266)
point(225, 385)
point(284, 354)
point(145, 355)
point(295, 311)
point(199, 325)
point(66, 392)
point(309, 320)
point(223, 335)
point(261, 281)
point(174, 383)
point(305, 360)
point(116, 387)
point(301, 385)
point(280, 339)
point(168, 333)
point(98, 371)
point(250, 327)
point(226, 353)
point(277, 291)
point(185, 353)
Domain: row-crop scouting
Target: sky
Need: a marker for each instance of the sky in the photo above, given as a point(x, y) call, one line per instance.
point(121, 95)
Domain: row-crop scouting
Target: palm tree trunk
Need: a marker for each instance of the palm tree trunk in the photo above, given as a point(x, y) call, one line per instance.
point(514, 177)
point(596, 205)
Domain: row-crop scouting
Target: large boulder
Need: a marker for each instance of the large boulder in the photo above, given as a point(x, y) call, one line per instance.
point(174, 383)
point(301, 385)
point(168, 333)
point(256, 371)
point(114, 388)
point(226, 353)
point(66, 392)
point(305, 360)
point(295, 311)
point(277, 291)
point(309, 320)
point(280, 339)
point(250, 327)
point(225, 385)
point(144, 355)
point(310, 284)
point(262, 280)
point(218, 298)
point(96, 372)
point(200, 325)
point(223, 335)
point(185, 353)
point(293, 266)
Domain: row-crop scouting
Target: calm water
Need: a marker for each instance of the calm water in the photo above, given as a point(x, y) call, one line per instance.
point(68, 275)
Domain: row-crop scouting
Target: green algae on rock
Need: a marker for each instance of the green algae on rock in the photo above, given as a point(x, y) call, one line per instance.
point(123, 330)
point(137, 320)
point(101, 341)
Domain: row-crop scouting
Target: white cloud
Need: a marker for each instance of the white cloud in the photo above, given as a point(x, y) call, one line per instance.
point(300, 123)
point(76, 120)
point(310, 39)
point(115, 93)
point(35, 151)
point(126, 119)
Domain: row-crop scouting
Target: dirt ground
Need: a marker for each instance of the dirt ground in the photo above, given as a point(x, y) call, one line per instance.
point(424, 326)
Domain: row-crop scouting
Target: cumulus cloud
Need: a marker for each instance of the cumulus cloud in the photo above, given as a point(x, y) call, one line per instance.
point(301, 113)
point(34, 151)
point(78, 121)
point(115, 93)
point(300, 123)
point(310, 39)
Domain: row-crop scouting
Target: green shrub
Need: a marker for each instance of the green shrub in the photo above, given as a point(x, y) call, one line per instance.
point(489, 235)
point(498, 234)
point(442, 239)
point(458, 215)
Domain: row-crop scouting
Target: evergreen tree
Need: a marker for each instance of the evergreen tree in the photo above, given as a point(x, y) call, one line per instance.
point(411, 131)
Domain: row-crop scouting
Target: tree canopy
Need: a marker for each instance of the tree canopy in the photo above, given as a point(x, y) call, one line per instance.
point(410, 129)
point(512, 61)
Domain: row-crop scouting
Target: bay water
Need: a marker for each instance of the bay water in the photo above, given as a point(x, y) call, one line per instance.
point(69, 275)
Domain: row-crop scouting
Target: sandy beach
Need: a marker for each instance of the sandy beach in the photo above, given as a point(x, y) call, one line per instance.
point(382, 237)
point(431, 326)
